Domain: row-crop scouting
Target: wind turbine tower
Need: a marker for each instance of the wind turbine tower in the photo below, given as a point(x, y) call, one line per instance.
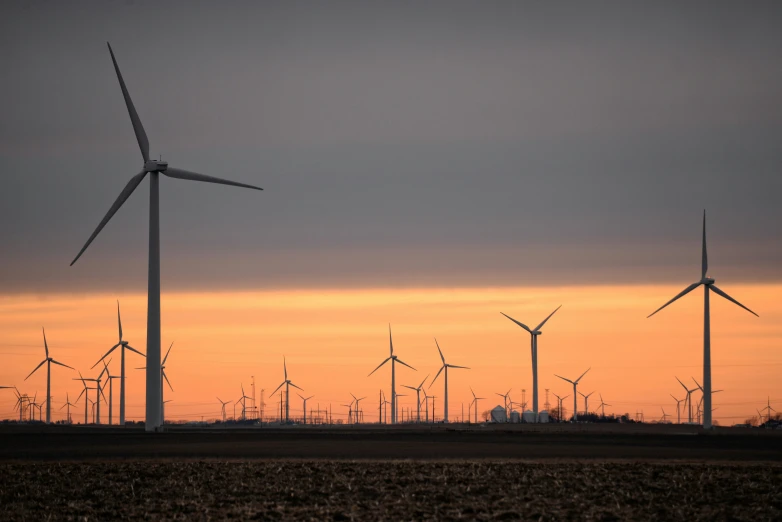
point(287, 382)
point(445, 367)
point(394, 359)
point(575, 392)
point(534, 342)
point(708, 284)
point(154, 168)
point(48, 361)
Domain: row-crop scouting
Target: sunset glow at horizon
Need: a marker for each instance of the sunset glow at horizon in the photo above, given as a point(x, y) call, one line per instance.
point(333, 339)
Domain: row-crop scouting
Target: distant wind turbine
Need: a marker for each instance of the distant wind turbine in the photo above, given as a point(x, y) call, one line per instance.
point(111, 391)
point(678, 411)
point(475, 400)
point(163, 377)
point(534, 349)
point(665, 415)
point(287, 384)
point(394, 359)
point(505, 397)
point(68, 405)
point(560, 399)
point(445, 367)
point(586, 402)
point(603, 405)
point(86, 394)
point(768, 409)
point(708, 284)
point(154, 168)
point(418, 396)
point(575, 392)
point(48, 361)
point(123, 345)
point(358, 410)
point(305, 399)
point(688, 399)
point(222, 406)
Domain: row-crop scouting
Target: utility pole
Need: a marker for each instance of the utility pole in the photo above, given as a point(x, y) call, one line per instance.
point(252, 384)
point(262, 403)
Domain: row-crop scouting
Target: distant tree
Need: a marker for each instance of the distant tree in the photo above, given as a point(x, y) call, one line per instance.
point(486, 415)
point(752, 421)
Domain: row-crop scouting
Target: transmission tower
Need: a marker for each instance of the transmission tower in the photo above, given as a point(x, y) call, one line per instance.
point(547, 405)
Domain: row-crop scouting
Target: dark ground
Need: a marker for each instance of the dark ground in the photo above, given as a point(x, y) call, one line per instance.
point(63, 473)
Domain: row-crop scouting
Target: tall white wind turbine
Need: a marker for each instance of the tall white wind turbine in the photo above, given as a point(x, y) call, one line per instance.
point(534, 349)
point(48, 361)
point(287, 384)
point(445, 367)
point(122, 345)
point(708, 284)
point(154, 402)
point(394, 359)
point(575, 392)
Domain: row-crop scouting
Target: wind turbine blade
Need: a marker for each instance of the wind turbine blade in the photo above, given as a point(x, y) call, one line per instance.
point(409, 387)
point(61, 364)
point(107, 354)
point(729, 298)
point(167, 381)
point(568, 380)
point(275, 389)
point(436, 376)
point(705, 258)
point(681, 294)
point(439, 350)
point(36, 369)
point(141, 136)
point(696, 383)
point(400, 361)
point(45, 344)
point(462, 367)
point(119, 322)
point(129, 347)
point(82, 393)
point(123, 196)
point(517, 322)
point(546, 319)
point(583, 375)
point(296, 386)
point(302, 398)
point(168, 352)
point(194, 176)
point(683, 386)
point(285, 367)
point(390, 341)
point(218, 398)
point(381, 364)
point(422, 382)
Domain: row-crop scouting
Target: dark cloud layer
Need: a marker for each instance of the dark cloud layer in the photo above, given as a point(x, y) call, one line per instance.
point(399, 144)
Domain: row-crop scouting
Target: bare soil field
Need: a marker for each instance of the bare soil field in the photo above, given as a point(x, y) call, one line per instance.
point(388, 490)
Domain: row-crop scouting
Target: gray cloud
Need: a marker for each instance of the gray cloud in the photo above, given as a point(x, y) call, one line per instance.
point(398, 144)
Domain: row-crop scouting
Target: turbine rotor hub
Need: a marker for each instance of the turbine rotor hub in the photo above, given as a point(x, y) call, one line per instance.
point(155, 166)
point(707, 280)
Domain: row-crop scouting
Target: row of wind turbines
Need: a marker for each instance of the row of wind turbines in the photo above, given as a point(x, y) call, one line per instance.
point(155, 368)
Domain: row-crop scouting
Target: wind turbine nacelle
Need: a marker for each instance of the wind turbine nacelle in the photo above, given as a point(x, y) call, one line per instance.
point(155, 166)
point(708, 281)
point(537, 332)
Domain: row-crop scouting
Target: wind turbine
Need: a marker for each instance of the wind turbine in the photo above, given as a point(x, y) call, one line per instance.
point(575, 392)
point(505, 396)
point(560, 399)
point(86, 394)
point(358, 403)
point(68, 405)
point(384, 404)
point(586, 402)
point(287, 384)
point(111, 389)
point(397, 403)
point(688, 399)
point(603, 405)
point(534, 349)
point(154, 168)
point(122, 345)
point(350, 411)
point(394, 359)
point(48, 361)
point(222, 406)
point(708, 284)
point(243, 400)
point(665, 415)
point(768, 409)
point(305, 399)
point(678, 412)
point(475, 400)
point(445, 367)
point(418, 396)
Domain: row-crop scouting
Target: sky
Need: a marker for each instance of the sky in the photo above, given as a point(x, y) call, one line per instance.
point(454, 157)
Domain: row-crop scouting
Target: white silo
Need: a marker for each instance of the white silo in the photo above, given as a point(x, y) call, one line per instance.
point(498, 414)
point(543, 416)
point(515, 417)
point(529, 417)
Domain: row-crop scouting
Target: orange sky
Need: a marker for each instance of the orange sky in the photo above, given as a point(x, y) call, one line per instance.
point(334, 338)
